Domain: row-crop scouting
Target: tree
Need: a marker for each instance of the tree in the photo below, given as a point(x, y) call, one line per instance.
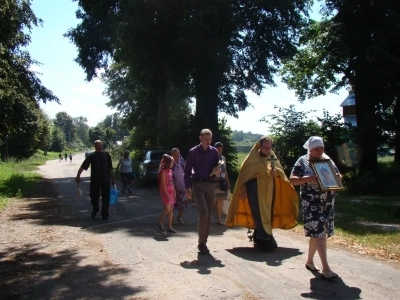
point(65, 122)
point(58, 141)
point(82, 129)
point(214, 49)
point(290, 129)
point(31, 136)
point(20, 88)
point(347, 48)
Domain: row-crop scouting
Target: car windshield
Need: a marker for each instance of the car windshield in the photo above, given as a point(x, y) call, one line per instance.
point(156, 155)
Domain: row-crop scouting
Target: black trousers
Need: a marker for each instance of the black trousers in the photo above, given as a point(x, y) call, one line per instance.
point(95, 190)
point(252, 196)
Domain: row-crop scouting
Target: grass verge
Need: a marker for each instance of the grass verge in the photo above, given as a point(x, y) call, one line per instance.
point(17, 178)
point(367, 225)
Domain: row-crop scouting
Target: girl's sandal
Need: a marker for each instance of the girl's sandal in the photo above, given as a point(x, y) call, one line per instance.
point(180, 221)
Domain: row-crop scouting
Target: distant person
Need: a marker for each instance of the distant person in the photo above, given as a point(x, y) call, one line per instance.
point(101, 171)
point(65, 156)
point(223, 180)
point(167, 191)
point(70, 157)
point(125, 170)
point(179, 183)
point(263, 198)
point(60, 157)
point(200, 171)
point(318, 206)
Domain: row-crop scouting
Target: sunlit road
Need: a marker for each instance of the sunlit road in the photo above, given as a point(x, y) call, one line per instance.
point(164, 265)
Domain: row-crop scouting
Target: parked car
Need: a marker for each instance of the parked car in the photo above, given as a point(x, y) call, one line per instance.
point(148, 168)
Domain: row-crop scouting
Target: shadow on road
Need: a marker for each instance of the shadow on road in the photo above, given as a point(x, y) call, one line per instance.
point(272, 258)
point(203, 264)
point(29, 270)
point(331, 289)
point(136, 213)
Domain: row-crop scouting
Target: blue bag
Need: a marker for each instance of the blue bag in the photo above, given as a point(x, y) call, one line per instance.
point(114, 195)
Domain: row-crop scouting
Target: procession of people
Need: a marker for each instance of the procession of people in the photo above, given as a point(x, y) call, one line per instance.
point(263, 197)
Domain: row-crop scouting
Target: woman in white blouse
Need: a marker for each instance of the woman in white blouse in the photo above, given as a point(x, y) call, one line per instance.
point(125, 169)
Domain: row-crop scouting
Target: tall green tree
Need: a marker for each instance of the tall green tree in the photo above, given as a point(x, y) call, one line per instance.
point(356, 43)
point(82, 129)
point(20, 88)
point(65, 122)
point(215, 49)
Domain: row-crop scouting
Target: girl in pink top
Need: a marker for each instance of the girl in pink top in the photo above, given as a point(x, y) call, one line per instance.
point(167, 191)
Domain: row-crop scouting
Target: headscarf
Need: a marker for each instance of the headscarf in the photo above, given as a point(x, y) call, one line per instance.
point(313, 142)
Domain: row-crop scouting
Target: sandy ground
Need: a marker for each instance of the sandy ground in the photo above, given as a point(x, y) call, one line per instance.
point(50, 248)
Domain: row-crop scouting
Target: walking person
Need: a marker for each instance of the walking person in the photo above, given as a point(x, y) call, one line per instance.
point(125, 170)
point(263, 197)
point(60, 157)
point(65, 156)
point(179, 183)
point(318, 205)
point(221, 191)
point(70, 157)
point(201, 166)
point(101, 171)
point(167, 191)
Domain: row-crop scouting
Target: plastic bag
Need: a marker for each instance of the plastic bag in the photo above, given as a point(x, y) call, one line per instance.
point(113, 195)
point(226, 203)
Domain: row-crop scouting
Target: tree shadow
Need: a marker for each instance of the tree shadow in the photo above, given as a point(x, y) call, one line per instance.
point(203, 264)
point(272, 258)
point(29, 272)
point(331, 289)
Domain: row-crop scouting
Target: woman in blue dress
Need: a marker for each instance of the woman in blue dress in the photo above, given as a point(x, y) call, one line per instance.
point(318, 205)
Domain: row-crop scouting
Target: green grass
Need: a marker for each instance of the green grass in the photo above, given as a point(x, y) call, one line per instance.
point(367, 224)
point(17, 177)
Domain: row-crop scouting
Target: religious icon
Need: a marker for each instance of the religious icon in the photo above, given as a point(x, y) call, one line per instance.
point(326, 175)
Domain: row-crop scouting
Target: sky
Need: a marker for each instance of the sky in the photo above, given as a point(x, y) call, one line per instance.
point(66, 79)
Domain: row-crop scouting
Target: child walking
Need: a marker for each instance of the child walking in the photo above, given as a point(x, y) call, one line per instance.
point(167, 191)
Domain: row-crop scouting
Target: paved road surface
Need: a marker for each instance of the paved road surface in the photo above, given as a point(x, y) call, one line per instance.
point(168, 266)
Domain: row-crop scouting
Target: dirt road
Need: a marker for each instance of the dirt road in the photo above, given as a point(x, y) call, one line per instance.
point(50, 248)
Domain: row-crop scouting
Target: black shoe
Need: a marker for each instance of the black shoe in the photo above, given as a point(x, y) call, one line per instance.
point(203, 248)
point(94, 213)
point(105, 218)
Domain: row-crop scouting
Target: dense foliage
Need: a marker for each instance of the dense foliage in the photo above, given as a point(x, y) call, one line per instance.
point(356, 43)
point(210, 50)
point(21, 121)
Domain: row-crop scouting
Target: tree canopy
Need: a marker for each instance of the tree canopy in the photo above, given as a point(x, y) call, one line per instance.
point(211, 50)
point(356, 43)
point(20, 88)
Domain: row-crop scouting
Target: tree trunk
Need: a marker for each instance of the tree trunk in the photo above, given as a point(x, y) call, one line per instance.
point(365, 93)
point(206, 89)
point(396, 113)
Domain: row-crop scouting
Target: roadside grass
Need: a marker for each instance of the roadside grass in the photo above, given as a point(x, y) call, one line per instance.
point(17, 177)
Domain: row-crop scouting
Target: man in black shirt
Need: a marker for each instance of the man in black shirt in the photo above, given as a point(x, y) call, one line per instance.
point(100, 174)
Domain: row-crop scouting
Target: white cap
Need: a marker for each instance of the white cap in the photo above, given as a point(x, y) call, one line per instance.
point(313, 142)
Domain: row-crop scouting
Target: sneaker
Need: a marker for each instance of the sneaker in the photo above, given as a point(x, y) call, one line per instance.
point(203, 248)
point(94, 213)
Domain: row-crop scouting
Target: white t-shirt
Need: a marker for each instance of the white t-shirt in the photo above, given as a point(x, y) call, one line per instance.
point(125, 165)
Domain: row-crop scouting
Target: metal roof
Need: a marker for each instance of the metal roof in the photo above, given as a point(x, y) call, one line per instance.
point(350, 100)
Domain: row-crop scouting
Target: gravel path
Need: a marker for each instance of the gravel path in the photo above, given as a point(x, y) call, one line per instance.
point(50, 248)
